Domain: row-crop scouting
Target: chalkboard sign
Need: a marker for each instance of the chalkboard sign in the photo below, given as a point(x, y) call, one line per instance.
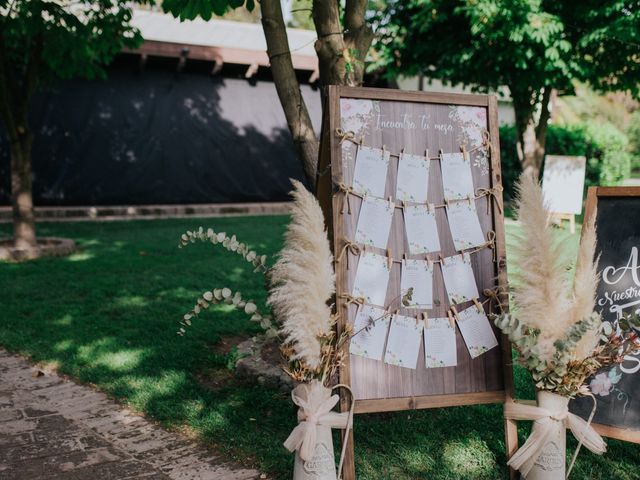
point(410, 184)
point(616, 389)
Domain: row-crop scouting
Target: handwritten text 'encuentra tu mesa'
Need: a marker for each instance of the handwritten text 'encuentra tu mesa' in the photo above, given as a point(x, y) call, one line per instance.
point(407, 121)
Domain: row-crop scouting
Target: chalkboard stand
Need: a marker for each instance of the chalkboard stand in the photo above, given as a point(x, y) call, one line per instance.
point(500, 390)
point(591, 206)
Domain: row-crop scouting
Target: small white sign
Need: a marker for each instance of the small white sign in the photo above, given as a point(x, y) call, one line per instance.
point(476, 331)
point(374, 222)
point(418, 276)
point(369, 332)
point(459, 279)
point(370, 173)
point(440, 343)
point(465, 225)
point(413, 178)
point(422, 232)
point(403, 344)
point(457, 179)
point(372, 278)
point(563, 183)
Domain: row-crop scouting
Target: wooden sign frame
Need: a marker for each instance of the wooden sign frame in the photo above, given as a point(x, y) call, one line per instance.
point(331, 200)
point(593, 194)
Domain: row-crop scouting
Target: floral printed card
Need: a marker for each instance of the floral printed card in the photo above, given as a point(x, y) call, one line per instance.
point(370, 174)
point(456, 176)
point(369, 332)
point(465, 225)
point(476, 331)
point(440, 343)
point(374, 222)
point(403, 344)
point(416, 275)
point(413, 178)
point(458, 279)
point(372, 278)
point(422, 232)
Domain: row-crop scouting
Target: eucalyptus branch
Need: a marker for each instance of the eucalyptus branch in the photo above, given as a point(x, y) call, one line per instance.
point(226, 296)
point(230, 243)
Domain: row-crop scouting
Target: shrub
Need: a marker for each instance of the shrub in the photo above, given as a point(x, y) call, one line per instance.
point(605, 147)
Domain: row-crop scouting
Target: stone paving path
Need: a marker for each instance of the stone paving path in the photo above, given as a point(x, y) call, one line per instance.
point(52, 428)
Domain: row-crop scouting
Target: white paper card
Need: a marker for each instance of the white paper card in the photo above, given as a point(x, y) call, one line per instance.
point(369, 332)
point(374, 222)
point(465, 225)
point(370, 173)
point(458, 279)
point(417, 275)
point(403, 344)
point(476, 331)
point(456, 176)
point(440, 343)
point(372, 278)
point(413, 178)
point(422, 232)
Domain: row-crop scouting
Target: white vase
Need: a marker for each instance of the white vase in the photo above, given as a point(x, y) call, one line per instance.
point(551, 464)
point(322, 466)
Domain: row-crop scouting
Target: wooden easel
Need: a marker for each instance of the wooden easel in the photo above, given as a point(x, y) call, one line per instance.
point(557, 218)
point(491, 383)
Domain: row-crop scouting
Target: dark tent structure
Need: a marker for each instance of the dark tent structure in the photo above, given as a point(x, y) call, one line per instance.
point(162, 130)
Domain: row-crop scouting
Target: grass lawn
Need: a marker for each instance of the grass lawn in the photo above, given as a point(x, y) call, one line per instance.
point(108, 316)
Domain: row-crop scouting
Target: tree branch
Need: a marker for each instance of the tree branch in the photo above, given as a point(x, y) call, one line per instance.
point(288, 88)
point(358, 35)
point(330, 45)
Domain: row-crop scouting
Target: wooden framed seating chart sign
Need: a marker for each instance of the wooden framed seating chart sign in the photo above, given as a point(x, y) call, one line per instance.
point(616, 389)
point(410, 184)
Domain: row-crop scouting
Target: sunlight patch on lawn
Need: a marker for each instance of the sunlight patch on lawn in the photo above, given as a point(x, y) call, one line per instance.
point(469, 458)
point(80, 257)
point(63, 321)
point(121, 361)
point(131, 301)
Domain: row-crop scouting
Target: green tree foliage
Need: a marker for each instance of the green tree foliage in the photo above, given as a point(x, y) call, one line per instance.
point(530, 46)
point(41, 41)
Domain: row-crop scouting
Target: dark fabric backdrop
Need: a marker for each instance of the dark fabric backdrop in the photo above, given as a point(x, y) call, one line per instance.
point(159, 137)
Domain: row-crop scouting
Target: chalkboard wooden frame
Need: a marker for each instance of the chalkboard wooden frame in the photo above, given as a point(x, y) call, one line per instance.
point(591, 206)
point(331, 200)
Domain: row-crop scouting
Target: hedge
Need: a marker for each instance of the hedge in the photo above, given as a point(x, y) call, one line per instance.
point(605, 147)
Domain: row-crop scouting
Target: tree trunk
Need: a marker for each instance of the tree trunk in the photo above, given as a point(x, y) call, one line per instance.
point(24, 229)
point(531, 137)
point(288, 88)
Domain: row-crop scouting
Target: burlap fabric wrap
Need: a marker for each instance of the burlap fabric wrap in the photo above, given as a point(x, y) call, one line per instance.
point(316, 404)
point(543, 430)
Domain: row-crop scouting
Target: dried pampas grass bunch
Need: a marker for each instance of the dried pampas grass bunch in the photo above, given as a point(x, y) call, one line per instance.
point(554, 326)
point(302, 283)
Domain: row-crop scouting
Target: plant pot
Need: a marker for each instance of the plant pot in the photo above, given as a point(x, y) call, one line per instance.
point(551, 464)
point(322, 465)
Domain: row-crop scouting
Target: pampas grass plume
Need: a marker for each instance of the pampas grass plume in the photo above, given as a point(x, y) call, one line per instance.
point(302, 280)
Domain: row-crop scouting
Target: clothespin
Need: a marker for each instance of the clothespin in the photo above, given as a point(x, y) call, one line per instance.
point(429, 263)
point(466, 257)
point(429, 207)
point(470, 199)
point(404, 257)
point(389, 258)
point(455, 310)
point(404, 203)
point(391, 204)
point(361, 140)
point(402, 151)
point(425, 318)
point(462, 256)
point(441, 259)
point(463, 149)
point(426, 155)
point(478, 305)
point(397, 312)
point(384, 149)
point(417, 319)
point(451, 319)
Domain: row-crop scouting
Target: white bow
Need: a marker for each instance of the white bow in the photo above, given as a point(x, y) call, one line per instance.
point(316, 404)
point(526, 456)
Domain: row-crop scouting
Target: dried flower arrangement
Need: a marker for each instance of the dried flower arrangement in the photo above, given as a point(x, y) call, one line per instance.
point(559, 337)
point(301, 285)
point(554, 328)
